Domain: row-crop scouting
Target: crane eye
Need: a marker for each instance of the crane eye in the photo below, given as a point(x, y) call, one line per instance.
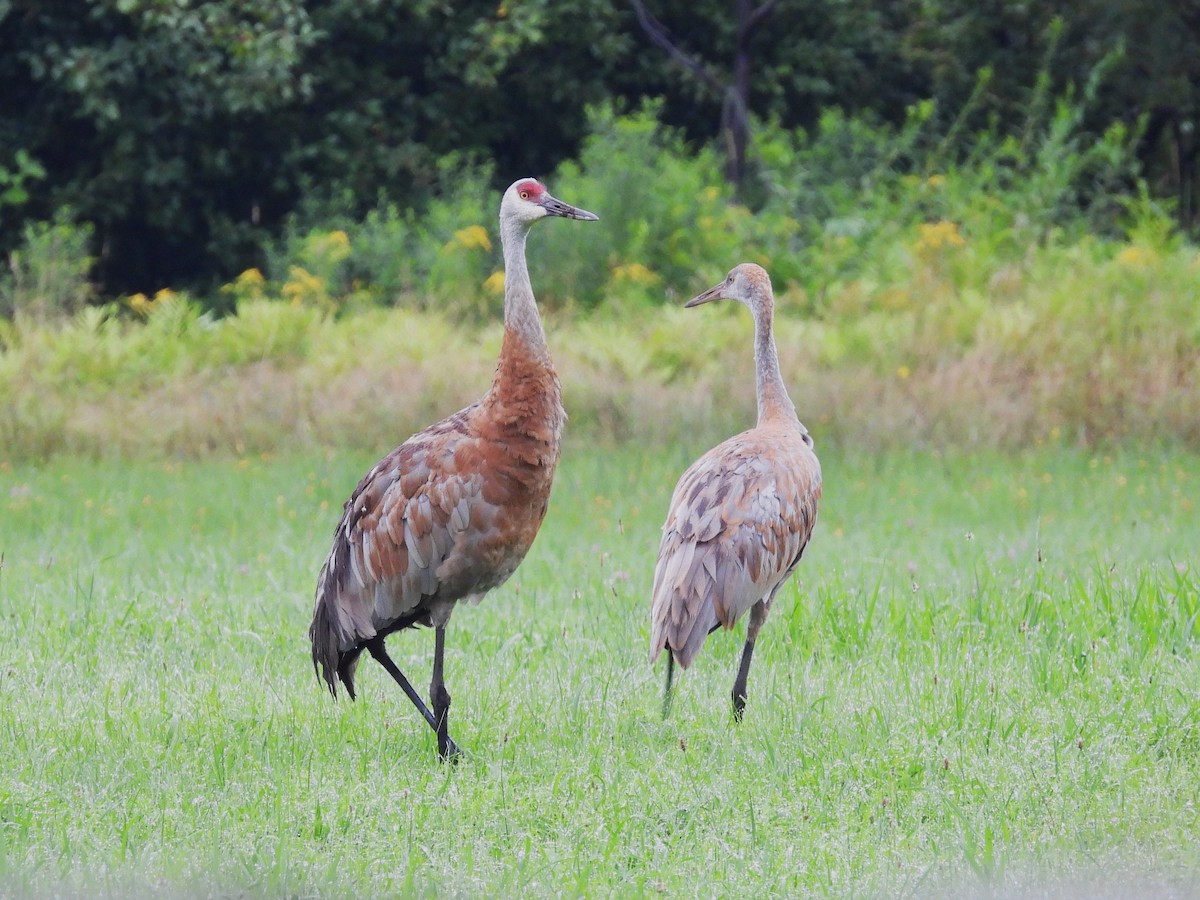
point(524, 195)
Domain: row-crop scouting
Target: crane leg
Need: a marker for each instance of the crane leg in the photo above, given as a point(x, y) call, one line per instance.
point(758, 615)
point(671, 673)
point(739, 686)
point(667, 690)
point(447, 749)
point(380, 654)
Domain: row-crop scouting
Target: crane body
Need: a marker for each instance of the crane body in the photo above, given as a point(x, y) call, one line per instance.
point(740, 516)
point(450, 513)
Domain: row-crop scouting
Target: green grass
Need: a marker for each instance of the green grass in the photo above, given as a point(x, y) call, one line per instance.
point(985, 674)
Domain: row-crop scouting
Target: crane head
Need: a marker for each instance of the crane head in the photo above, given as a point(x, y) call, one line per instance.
point(527, 200)
point(747, 283)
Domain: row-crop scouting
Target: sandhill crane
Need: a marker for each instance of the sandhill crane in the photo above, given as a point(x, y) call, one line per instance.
point(741, 515)
point(450, 513)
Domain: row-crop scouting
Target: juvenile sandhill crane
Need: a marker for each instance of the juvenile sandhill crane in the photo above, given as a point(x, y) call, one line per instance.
point(450, 513)
point(741, 515)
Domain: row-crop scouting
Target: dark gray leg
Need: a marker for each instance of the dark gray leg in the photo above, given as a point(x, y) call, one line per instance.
point(441, 700)
point(380, 655)
point(758, 615)
point(670, 675)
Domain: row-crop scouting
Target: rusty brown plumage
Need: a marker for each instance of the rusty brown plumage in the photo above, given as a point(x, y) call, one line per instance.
point(741, 515)
point(450, 513)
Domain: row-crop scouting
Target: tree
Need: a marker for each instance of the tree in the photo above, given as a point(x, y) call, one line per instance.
point(1151, 77)
point(735, 91)
point(811, 54)
point(152, 121)
point(187, 132)
point(398, 86)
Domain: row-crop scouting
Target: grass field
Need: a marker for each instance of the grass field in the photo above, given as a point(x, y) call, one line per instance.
point(985, 679)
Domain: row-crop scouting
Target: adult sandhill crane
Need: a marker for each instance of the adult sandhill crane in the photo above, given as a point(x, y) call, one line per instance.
point(450, 513)
point(741, 515)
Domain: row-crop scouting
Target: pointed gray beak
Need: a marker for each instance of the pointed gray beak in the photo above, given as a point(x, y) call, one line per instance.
point(713, 293)
point(555, 207)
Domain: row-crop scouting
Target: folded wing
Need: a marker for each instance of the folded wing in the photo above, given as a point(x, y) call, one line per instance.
point(739, 520)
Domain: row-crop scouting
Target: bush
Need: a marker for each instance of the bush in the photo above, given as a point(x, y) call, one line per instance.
point(439, 256)
point(1091, 342)
point(862, 191)
point(48, 276)
point(668, 226)
point(852, 209)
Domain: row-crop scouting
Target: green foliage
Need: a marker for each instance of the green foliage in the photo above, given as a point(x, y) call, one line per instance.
point(400, 87)
point(968, 296)
point(1145, 48)
point(806, 56)
point(151, 120)
point(13, 192)
point(1092, 343)
point(667, 223)
point(839, 207)
point(861, 190)
point(189, 135)
point(48, 277)
point(439, 258)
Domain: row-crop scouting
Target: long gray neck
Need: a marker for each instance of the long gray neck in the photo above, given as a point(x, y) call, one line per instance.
point(521, 319)
point(773, 399)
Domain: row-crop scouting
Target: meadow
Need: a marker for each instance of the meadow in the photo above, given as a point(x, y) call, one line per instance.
point(984, 680)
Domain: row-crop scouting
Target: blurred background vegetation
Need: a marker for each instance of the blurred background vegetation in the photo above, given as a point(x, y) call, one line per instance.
point(979, 217)
point(188, 137)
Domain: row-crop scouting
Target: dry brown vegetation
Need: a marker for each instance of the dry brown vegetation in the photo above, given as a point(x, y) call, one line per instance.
point(1092, 352)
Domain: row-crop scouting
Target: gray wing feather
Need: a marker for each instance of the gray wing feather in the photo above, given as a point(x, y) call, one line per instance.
point(738, 522)
point(392, 546)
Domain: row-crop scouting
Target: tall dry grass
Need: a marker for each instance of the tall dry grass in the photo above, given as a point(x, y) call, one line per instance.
point(1096, 343)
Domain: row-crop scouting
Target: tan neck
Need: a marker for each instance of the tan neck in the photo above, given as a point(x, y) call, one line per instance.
point(773, 399)
point(523, 332)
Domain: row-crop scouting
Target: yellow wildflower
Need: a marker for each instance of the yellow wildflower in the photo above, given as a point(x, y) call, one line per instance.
point(247, 286)
point(635, 273)
point(937, 182)
point(303, 287)
point(494, 284)
point(473, 237)
point(936, 235)
point(144, 306)
point(250, 283)
point(329, 249)
point(1136, 257)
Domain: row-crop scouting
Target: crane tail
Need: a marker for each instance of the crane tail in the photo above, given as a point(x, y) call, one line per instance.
point(331, 663)
point(347, 663)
